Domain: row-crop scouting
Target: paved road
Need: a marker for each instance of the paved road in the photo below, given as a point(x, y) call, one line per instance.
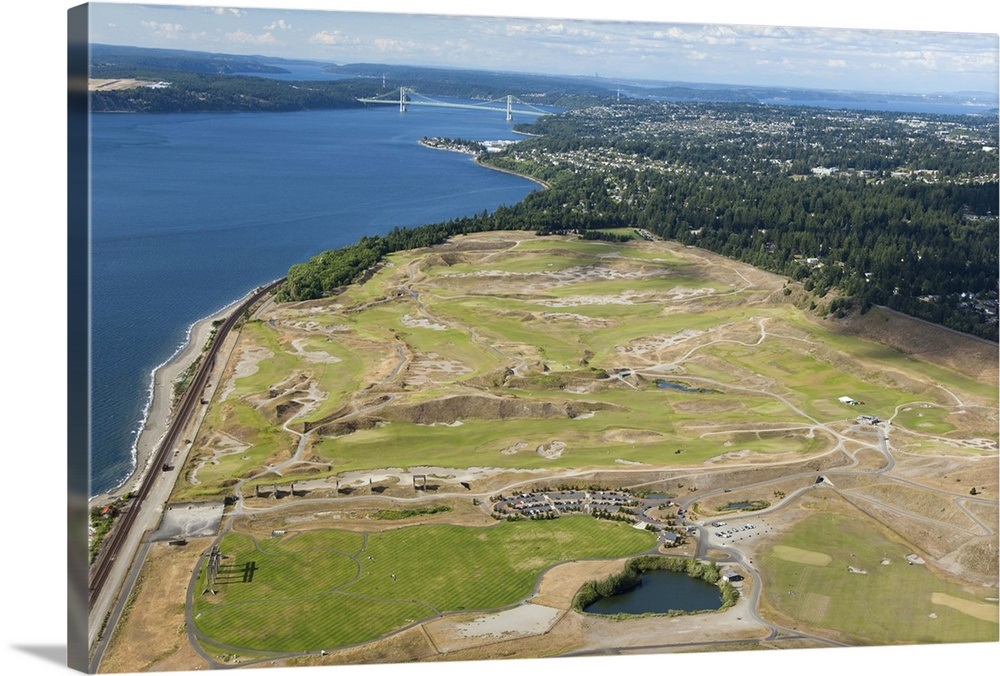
point(116, 568)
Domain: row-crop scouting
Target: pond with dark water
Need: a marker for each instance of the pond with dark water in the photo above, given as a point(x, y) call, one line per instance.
point(661, 591)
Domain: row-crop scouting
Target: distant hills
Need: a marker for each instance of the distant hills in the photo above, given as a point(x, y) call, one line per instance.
point(110, 61)
point(121, 61)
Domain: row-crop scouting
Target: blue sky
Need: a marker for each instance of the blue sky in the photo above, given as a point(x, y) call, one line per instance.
point(914, 61)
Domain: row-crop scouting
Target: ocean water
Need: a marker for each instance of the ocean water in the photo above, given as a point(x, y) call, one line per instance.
point(192, 211)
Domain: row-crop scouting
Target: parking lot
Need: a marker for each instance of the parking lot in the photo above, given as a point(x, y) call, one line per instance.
point(535, 504)
point(725, 532)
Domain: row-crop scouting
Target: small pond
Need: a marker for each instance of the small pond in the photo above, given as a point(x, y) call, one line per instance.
point(660, 592)
point(681, 387)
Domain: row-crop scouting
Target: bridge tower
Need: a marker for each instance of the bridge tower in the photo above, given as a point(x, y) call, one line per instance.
point(510, 115)
point(402, 100)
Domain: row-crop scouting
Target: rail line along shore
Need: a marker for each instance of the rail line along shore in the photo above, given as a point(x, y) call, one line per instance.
point(160, 405)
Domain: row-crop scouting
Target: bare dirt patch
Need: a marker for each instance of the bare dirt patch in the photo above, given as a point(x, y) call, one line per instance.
point(464, 631)
point(459, 407)
point(560, 583)
point(101, 84)
point(624, 436)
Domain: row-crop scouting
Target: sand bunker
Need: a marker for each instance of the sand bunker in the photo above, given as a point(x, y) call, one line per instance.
point(662, 341)
point(552, 450)
point(435, 369)
point(576, 318)
point(628, 297)
point(315, 356)
point(247, 365)
point(421, 323)
point(315, 327)
point(573, 275)
point(514, 448)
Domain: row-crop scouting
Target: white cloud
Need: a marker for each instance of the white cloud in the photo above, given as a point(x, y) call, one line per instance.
point(222, 11)
point(168, 31)
point(280, 24)
point(395, 46)
point(456, 46)
point(331, 39)
point(836, 63)
point(249, 38)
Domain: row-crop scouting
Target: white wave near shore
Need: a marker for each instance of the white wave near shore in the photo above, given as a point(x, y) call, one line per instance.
point(158, 409)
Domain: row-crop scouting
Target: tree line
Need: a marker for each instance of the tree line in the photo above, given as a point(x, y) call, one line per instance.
point(874, 236)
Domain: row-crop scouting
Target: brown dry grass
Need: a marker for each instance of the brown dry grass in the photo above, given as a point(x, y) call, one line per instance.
point(152, 637)
point(965, 354)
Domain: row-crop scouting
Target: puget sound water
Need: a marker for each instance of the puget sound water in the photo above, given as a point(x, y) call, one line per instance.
point(191, 211)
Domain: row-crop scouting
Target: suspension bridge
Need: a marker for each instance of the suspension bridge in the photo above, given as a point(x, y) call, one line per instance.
point(410, 97)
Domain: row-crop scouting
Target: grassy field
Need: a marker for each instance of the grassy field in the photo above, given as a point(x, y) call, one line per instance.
point(324, 589)
point(807, 580)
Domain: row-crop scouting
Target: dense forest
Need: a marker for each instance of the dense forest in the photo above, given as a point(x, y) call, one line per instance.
point(198, 92)
point(120, 61)
point(885, 208)
point(877, 208)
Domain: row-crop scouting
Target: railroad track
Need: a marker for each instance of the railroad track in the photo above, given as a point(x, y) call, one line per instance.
point(189, 401)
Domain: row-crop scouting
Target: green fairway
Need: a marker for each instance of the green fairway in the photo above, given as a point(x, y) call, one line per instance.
point(535, 332)
point(807, 578)
point(324, 589)
point(924, 419)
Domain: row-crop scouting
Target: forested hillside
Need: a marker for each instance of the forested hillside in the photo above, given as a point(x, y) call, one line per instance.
point(881, 208)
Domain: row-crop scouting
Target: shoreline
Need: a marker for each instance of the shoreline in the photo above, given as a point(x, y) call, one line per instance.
point(513, 173)
point(476, 161)
point(159, 409)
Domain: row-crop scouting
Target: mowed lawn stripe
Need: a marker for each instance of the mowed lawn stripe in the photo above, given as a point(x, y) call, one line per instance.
point(300, 600)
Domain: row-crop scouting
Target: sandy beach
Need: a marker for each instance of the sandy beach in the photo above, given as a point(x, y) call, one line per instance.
point(160, 409)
